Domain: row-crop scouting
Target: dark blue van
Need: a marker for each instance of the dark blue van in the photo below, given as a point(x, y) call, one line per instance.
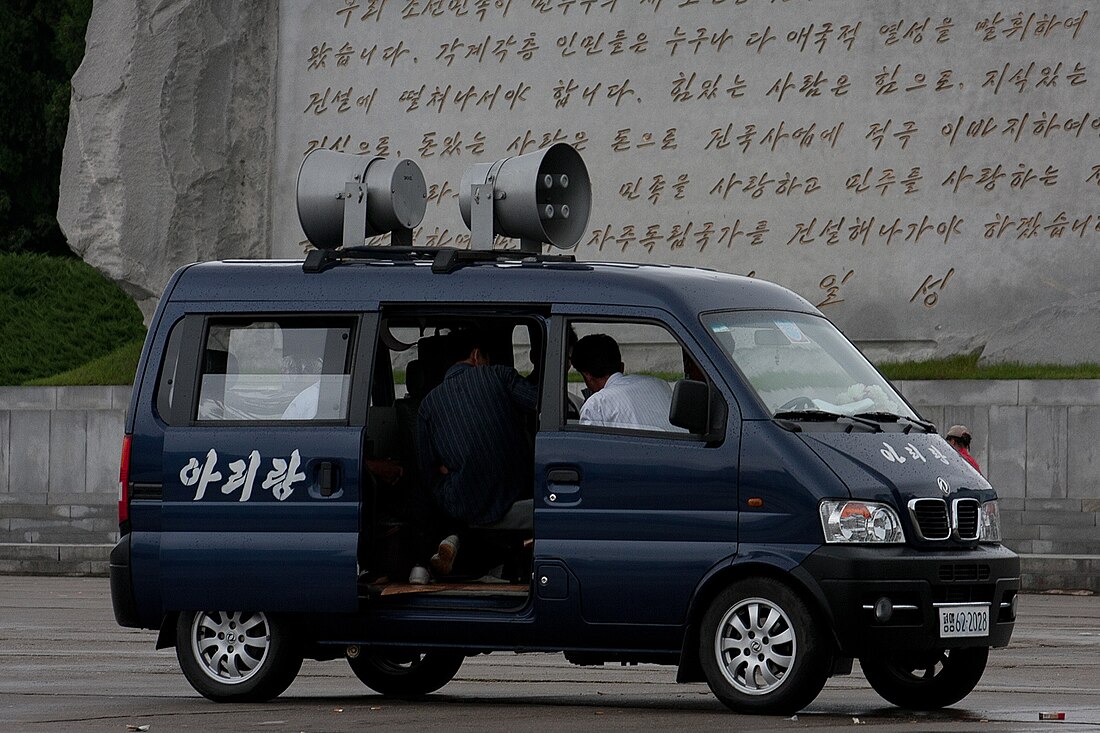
point(799, 514)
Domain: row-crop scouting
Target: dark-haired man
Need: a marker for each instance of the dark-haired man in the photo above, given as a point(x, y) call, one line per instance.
point(472, 443)
point(619, 400)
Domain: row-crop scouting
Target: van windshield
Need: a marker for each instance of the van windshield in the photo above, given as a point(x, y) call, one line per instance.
point(799, 363)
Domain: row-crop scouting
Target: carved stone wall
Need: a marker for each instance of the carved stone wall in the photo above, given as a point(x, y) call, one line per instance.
point(169, 151)
point(927, 172)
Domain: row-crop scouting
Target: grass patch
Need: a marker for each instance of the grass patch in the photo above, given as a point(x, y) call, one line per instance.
point(967, 367)
point(57, 314)
point(118, 367)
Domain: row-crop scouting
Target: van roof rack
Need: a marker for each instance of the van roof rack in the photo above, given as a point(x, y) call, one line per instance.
point(443, 259)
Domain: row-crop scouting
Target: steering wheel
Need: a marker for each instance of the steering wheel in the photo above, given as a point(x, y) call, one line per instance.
point(797, 404)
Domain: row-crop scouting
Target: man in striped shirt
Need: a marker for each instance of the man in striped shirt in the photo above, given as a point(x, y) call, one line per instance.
point(635, 401)
point(473, 448)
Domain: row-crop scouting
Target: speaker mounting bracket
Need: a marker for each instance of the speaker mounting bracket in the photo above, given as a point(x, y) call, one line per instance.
point(481, 216)
point(355, 213)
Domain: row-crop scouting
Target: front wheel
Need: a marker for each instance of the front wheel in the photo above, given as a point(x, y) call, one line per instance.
point(762, 650)
point(397, 673)
point(236, 656)
point(926, 680)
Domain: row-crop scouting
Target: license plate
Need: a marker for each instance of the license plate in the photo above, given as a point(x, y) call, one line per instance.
point(961, 621)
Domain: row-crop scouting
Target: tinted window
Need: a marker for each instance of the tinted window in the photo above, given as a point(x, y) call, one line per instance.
point(166, 384)
point(275, 369)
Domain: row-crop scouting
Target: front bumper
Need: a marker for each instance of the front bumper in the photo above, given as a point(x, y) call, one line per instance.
point(852, 579)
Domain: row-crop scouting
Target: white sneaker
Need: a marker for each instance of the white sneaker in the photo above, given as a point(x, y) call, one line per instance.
point(443, 561)
point(420, 576)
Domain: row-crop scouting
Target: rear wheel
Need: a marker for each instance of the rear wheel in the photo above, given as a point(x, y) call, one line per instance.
point(236, 656)
point(926, 680)
point(762, 650)
point(398, 673)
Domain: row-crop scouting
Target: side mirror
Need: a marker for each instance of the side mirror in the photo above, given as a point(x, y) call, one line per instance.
point(691, 406)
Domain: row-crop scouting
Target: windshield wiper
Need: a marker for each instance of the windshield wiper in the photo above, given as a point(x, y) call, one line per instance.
point(826, 416)
point(910, 422)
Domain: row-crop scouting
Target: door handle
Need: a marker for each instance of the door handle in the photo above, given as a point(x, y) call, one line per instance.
point(564, 476)
point(563, 486)
point(327, 478)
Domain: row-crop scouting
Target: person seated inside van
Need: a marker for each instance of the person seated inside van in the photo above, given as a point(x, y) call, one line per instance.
point(635, 401)
point(473, 450)
point(302, 370)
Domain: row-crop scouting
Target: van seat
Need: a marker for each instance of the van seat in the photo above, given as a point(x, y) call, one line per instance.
point(414, 380)
point(382, 430)
point(519, 518)
point(434, 358)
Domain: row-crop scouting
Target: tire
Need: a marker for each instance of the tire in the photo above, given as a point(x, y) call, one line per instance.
point(762, 650)
point(236, 656)
point(398, 673)
point(926, 680)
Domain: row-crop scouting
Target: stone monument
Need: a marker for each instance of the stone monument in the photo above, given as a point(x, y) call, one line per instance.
point(926, 172)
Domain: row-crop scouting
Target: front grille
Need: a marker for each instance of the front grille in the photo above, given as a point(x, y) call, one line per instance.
point(966, 518)
point(930, 518)
point(963, 572)
point(976, 593)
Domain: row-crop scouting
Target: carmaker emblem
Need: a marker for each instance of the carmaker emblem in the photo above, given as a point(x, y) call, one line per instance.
point(944, 486)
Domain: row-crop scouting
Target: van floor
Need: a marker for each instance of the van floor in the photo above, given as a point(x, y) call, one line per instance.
point(455, 588)
point(484, 587)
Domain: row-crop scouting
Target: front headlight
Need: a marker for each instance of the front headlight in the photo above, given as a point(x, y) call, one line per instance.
point(990, 530)
point(860, 522)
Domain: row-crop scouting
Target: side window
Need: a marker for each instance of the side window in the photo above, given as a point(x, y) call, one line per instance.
point(275, 369)
point(622, 375)
point(169, 373)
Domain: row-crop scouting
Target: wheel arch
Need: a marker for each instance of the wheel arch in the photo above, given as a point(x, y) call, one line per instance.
point(774, 566)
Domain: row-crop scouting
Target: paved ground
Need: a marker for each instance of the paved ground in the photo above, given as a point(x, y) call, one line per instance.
point(66, 666)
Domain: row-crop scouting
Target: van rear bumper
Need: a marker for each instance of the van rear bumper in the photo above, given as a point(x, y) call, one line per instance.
point(122, 588)
point(853, 579)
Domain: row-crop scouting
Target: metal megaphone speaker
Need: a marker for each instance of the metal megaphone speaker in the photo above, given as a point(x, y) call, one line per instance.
point(344, 198)
point(545, 196)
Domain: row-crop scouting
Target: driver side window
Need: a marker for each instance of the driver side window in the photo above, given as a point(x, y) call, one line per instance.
point(622, 375)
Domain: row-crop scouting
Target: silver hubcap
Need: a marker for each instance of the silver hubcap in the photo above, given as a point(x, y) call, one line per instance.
point(755, 646)
point(230, 646)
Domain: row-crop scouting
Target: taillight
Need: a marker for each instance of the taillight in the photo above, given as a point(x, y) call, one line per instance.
point(124, 482)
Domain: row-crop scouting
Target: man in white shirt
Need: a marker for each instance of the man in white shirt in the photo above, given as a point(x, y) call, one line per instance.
point(619, 400)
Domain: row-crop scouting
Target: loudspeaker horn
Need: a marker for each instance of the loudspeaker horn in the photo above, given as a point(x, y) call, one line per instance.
point(344, 198)
point(539, 197)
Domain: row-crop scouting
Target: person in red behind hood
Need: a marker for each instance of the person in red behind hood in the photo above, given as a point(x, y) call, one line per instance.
point(959, 439)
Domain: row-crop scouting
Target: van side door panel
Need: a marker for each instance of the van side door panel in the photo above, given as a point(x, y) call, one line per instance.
point(276, 538)
point(262, 512)
point(638, 518)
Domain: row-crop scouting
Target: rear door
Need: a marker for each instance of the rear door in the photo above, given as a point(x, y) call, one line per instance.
point(262, 464)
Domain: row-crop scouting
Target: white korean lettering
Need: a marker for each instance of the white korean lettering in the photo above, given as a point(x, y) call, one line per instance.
point(281, 479)
point(191, 475)
point(915, 453)
point(890, 454)
point(243, 476)
point(939, 455)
